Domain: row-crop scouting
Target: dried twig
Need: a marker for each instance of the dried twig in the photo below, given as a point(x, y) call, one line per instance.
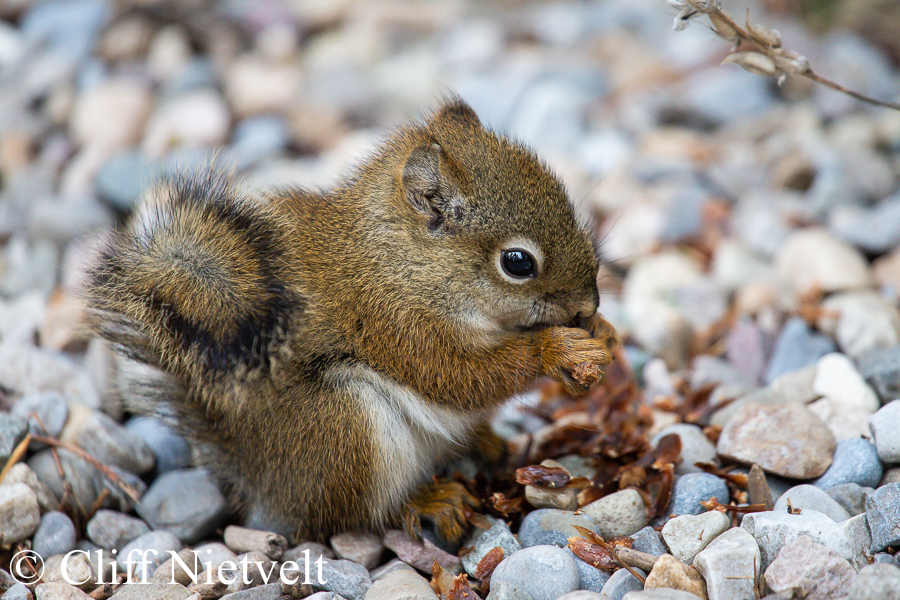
point(767, 56)
point(107, 472)
point(636, 558)
point(17, 453)
point(713, 504)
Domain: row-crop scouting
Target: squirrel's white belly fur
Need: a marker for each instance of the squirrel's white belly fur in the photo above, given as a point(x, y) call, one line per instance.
point(412, 434)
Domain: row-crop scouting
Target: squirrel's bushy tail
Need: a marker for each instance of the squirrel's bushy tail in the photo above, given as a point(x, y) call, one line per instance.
point(194, 285)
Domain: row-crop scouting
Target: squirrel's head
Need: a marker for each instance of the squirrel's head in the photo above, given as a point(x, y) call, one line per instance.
point(494, 225)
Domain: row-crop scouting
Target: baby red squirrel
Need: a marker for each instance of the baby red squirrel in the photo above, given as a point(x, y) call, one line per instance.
point(325, 352)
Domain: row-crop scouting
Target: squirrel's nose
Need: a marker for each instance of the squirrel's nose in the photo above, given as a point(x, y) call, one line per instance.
point(587, 307)
point(586, 313)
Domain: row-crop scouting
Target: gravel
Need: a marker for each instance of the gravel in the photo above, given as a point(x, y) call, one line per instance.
point(19, 512)
point(883, 516)
point(885, 427)
point(621, 583)
point(111, 529)
point(796, 347)
point(359, 547)
point(686, 535)
point(147, 552)
point(695, 447)
point(552, 526)
point(856, 461)
point(730, 565)
point(483, 541)
point(620, 514)
point(817, 571)
point(874, 582)
point(186, 502)
point(692, 489)
point(774, 530)
point(881, 369)
point(12, 431)
point(753, 435)
point(55, 535)
point(850, 496)
point(542, 572)
point(807, 496)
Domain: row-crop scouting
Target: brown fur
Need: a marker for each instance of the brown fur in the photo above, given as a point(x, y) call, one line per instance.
point(277, 321)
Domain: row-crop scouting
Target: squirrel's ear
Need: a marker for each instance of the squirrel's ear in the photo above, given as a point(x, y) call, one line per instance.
point(455, 113)
point(422, 177)
point(427, 190)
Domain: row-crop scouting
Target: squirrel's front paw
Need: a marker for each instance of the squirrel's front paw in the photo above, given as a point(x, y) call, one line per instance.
point(562, 348)
point(602, 330)
point(446, 504)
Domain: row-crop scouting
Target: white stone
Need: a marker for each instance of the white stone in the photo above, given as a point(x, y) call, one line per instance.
point(773, 531)
point(860, 321)
point(638, 225)
point(797, 386)
point(28, 369)
point(814, 259)
point(255, 85)
point(885, 428)
point(686, 535)
point(196, 119)
point(59, 591)
point(169, 51)
point(695, 447)
point(619, 514)
point(730, 564)
point(805, 496)
point(401, 585)
point(856, 529)
point(111, 115)
point(22, 473)
point(734, 266)
point(20, 318)
point(649, 310)
point(358, 546)
point(847, 400)
point(20, 514)
point(659, 594)
point(818, 572)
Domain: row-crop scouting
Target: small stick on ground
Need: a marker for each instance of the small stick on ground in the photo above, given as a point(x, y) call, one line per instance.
point(625, 565)
point(17, 453)
point(107, 472)
point(636, 558)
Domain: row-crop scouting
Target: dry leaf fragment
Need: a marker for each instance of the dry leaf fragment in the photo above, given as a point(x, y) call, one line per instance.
point(505, 505)
point(461, 589)
point(486, 565)
point(441, 580)
point(539, 475)
point(723, 29)
point(754, 62)
point(763, 35)
point(593, 554)
point(448, 587)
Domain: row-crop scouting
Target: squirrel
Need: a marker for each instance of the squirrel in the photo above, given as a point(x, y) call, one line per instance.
point(326, 352)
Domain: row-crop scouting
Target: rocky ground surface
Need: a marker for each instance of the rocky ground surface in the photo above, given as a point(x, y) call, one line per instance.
point(752, 267)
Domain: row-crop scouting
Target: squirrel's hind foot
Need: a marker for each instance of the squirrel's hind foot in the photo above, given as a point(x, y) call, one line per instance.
point(447, 504)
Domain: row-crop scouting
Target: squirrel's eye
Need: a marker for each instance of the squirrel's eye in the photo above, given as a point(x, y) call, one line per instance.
point(518, 264)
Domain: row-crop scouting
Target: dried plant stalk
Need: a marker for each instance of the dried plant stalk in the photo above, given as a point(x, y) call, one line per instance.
point(765, 56)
